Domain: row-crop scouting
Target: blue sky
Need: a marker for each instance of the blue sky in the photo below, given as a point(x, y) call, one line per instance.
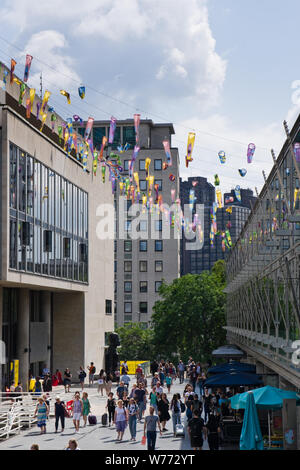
point(221, 67)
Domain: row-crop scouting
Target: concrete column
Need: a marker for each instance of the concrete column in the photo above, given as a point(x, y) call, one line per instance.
point(23, 336)
point(46, 317)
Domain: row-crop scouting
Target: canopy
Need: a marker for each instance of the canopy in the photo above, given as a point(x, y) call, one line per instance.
point(251, 437)
point(233, 366)
point(231, 379)
point(228, 350)
point(265, 397)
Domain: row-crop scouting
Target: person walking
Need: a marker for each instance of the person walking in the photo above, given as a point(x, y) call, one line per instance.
point(169, 382)
point(140, 398)
point(67, 379)
point(77, 409)
point(111, 407)
point(153, 399)
point(81, 376)
point(108, 383)
point(86, 407)
point(138, 372)
point(125, 399)
point(120, 390)
point(207, 404)
point(153, 367)
point(151, 422)
point(154, 380)
point(41, 413)
point(132, 412)
point(126, 380)
point(196, 430)
point(180, 370)
point(176, 412)
point(92, 371)
point(59, 410)
point(163, 410)
point(101, 382)
point(37, 386)
point(214, 430)
point(120, 420)
point(47, 383)
point(193, 378)
point(189, 405)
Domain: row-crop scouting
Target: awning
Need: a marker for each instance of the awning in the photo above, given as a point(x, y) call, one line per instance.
point(228, 350)
point(233, 366)
point(232, 379)
point(264, 397)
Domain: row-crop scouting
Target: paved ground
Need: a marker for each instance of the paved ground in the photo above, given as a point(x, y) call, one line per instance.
point(96, 437)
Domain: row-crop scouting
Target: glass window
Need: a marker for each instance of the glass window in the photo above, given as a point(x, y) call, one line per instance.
point(108, 307)
point(13, 244)
point(157, 164)
point(143, 286)
point(30, 178)
point(157, 285)
point(129, 135)
point(158, 266)
point(126, 165)
point(143, 226)
point(127, 225)
point(98, 134)
point(13, 176)
point(159, 182)
point(143, 307)
point(22, 181)
point(143, 245)
point(158, 245)
point(127, 266)
point(128, 286)
point(44, 189)
point(117, 137)
point(143, 266)
point(158, 225)
point(64, 206)
point(143, 185)
point(142, 165)
point(128, 245)
point(127, 307)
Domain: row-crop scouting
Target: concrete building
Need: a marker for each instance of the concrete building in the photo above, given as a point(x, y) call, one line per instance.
point(196, 261)
point(247, 199)
point(141, 264)
point(56, 276)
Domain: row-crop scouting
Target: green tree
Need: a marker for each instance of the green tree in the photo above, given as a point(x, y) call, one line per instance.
point(136, 342)
point(189, 318)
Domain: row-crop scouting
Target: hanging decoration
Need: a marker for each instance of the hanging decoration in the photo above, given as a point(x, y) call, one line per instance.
point(31, 95)
point(38, 106)
point(229, 209)
point(123, 148)
point(222, 156)
point(112, 128)
point(27, 67)
point(191, 199)
point(237, 192)
point(190, 146)
point(250, 152)
point(194, 183)
point(297, 151)
point(88, 128)
point(66, 94)
point(242, 171)
point(104, 142)
point(45, 100)
point(172, 177)
point(81, 92)
point(44, 117)
point(137, 119)
point(219, 198)
point(217, 181)
point(28, 108)
point(3, 85)
point(132, 161)
point(53, 119)
point(22, 93)
point(229, 199)
point(166, 145)
point(77, 118)
point(13, 63)
point(17, 81)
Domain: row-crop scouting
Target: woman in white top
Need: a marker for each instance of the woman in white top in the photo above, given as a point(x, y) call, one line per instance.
point(120, 419)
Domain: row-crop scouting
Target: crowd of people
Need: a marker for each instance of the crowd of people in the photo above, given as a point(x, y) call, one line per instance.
point(197, 407)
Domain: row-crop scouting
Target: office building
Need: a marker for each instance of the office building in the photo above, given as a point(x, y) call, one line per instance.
point(56, 276)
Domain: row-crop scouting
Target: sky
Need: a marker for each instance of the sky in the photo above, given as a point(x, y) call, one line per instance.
point(227, 70)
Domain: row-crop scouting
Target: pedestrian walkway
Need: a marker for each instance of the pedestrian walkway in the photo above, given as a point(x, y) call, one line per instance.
point(96, 437)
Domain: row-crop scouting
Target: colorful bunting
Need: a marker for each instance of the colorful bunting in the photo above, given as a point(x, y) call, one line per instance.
point(81, 92)
point(88, 128)
point(112, 128)
point(137, 119)
point(190, 146)
point(28, 108)
point(250, 152)
point(166, 145)
point(66, 94)
point(22, 93)
point(242, 171)
point(45, 100)
point(31, 95)
point(27, 67)
point(222, 156)
point(13, 63)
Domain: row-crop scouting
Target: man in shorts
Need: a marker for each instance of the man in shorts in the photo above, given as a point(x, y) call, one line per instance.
point(92, 371)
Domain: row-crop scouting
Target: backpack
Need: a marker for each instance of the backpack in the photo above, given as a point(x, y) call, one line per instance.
point(182, 407)
point(196, 426)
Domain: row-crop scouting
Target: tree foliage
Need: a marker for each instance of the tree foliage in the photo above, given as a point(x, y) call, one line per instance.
point(188, 320)
point(136, 343)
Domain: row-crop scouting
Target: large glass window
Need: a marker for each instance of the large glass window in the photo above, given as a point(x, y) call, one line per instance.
point(129, 135)
point(98, 134)
point(43, 204)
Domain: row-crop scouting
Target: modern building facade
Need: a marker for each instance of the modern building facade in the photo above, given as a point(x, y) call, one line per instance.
point(56, 276)
point(203, 259)
point(247, 198)
point(141, 264)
